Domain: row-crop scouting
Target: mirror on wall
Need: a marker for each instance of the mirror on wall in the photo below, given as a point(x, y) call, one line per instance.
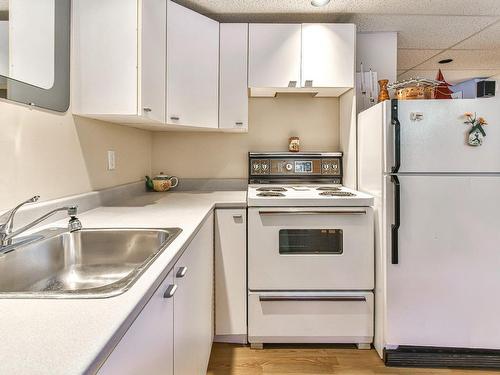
point(35, 52)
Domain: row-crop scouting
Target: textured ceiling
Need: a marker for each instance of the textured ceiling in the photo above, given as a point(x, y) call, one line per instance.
point(428, 30)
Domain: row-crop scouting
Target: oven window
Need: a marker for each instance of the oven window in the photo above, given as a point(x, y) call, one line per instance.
point(311, 241)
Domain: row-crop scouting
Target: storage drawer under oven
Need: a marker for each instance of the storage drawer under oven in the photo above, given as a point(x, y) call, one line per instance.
point(310, 248)
point(310, 317)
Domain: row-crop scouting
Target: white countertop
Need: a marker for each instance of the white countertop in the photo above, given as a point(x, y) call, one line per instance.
point(72, 336)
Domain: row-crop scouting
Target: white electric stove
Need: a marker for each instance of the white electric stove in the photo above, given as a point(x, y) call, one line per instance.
point(310, 252)
point(306, 195)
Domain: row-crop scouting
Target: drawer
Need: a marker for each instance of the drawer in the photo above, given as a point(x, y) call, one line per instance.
point(310, 317)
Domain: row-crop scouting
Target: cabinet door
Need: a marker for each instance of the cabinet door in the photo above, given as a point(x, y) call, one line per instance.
point(328, 55)
point(274, 55)
point(147, 347)
point(192, 68)
point(193, 310)
point(153, 62)
point(230, 274)
point(105, 54)
point(233, 106)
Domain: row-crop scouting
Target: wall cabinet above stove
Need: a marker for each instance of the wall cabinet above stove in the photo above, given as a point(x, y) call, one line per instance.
point(308, 58)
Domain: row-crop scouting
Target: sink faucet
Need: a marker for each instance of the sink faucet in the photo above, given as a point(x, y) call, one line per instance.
point(6, 228)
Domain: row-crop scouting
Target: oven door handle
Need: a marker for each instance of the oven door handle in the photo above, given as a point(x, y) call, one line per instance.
point(318, 212)
point(312, 298)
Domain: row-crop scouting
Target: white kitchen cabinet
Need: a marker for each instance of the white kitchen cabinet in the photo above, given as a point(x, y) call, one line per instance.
point(193, 305)
point(119, 52)
point(192, 68)
point(147, 347)
point(328, 55)
point(173, 333)
point(150, 63)
point(233, 71)
point(274, 55)
point(230, 275)
point(318, 59)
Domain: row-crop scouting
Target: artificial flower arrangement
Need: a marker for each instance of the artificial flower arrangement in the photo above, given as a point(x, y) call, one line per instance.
point(476, 133)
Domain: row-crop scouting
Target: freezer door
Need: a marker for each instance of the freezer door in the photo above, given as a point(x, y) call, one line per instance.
point(445, 290)
point(438, 142)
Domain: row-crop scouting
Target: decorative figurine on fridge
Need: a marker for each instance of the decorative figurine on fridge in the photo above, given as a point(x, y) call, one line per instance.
point(476, 133)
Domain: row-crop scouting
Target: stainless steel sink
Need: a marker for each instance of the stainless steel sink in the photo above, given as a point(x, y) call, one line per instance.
point(90, 263)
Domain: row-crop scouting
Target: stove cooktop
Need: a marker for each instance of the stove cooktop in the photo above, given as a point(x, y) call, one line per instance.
point(306, 196)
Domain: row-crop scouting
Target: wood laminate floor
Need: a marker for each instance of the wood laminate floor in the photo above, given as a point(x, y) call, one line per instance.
point(227, 359)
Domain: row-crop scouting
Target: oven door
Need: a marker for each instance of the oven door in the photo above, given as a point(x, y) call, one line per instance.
point(310, 248)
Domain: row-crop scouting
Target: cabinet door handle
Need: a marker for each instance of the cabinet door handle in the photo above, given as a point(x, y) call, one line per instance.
point(175, 118)
point(308, 83)
point(181, 272)
point(237, 217)
point(170, 291)
point(292, 84)
point(146, 109)
point(239, 123)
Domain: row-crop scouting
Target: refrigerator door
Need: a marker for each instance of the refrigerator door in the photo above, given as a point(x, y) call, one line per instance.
point(445, 290)
point(437, 143)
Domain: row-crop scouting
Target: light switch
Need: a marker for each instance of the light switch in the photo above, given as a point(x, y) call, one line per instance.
point(111, 161)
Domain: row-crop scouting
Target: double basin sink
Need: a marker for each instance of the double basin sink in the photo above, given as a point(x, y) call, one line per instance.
point(90, 263)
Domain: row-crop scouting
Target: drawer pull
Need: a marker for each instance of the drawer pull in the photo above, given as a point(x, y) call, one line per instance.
point(312, 298)
point(238, 123)
point(169, 293)
point(181, 272)
point(297, 212)
point(146, 109)
point(175, 118)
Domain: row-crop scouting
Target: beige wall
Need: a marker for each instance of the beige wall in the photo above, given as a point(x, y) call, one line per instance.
point(271, 122)
point(56, 155)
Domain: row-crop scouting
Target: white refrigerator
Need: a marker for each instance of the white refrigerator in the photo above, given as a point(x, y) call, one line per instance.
point(437, 204)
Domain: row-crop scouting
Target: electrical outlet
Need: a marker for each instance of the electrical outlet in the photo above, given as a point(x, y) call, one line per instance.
point(111, 161)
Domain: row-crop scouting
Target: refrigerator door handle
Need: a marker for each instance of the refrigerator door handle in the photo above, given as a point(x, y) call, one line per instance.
point(397, 221)
point(397, 136)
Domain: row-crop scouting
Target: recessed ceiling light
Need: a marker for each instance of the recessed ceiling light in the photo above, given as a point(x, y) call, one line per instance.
point(445, 61)
point(319, 3)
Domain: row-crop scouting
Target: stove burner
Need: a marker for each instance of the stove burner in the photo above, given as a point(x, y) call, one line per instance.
point(271, 189)
point(337, 194)
point(270, 194)
point(328, 188)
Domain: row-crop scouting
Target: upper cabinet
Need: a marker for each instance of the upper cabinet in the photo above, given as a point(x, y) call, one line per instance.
point(158, 65)
point(274, 55)
point(328, 55)
point(151, 63)
point(119, 59)
point(192, 68)
point(233, 76)
point(314, 58)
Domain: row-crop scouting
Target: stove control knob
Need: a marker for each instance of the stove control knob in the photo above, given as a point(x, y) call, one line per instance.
point(288, 167)
point(264, 167)
point(256, 166)
point(326, 167)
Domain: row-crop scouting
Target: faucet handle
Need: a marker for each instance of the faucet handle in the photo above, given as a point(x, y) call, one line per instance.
point(9, 215)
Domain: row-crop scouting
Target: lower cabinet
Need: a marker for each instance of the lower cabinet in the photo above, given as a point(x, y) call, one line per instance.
point(173, 333)
point(193, 305)
point(148, 345)
point(230, 275)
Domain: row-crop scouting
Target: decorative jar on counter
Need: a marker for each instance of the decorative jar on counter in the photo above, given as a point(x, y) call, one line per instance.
point(294, 144)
